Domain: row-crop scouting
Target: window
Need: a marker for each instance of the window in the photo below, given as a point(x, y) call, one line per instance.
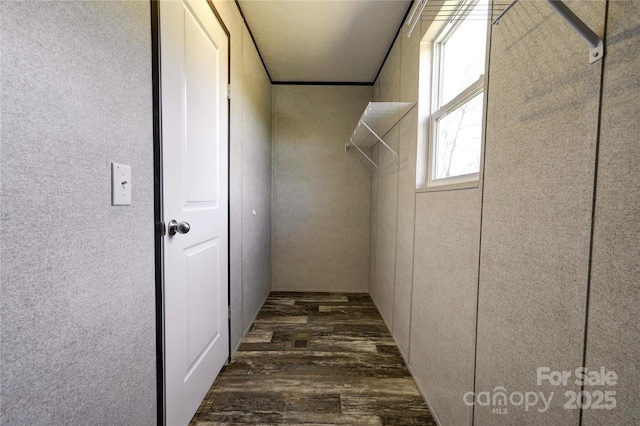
point(457, 94)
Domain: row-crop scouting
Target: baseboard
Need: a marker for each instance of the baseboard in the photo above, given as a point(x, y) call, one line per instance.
point(406, 363)
point(426, 401)
point(234, 350)
point(320, 290)
point(244, 333)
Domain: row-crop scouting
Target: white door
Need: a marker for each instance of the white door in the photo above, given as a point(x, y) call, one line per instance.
point(194, 64)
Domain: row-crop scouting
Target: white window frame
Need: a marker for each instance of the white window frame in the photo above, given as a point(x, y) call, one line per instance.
point(439, 111)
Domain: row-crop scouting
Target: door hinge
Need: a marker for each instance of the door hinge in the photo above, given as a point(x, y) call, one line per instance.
point(228, 91)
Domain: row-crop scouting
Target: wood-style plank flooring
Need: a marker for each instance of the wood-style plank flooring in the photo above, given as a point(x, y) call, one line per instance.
point(351, 373)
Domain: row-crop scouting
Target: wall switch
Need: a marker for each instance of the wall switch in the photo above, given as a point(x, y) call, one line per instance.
point(120, 185)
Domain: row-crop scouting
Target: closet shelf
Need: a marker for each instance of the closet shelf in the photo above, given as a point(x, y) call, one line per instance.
point(376, 120)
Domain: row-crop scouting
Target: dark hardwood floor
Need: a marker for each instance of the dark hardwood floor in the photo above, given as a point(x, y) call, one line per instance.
point(315, 358)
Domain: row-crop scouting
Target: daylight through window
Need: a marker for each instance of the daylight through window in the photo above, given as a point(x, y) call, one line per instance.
point(457, 97)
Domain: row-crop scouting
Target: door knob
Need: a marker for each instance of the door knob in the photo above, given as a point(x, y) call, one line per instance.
point(178, 228)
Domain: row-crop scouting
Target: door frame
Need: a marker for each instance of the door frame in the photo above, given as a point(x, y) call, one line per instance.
point(158, 219)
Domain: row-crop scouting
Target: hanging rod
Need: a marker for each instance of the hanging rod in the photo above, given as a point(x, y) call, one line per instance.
point(444, 10)
point(412, 12)
point(497, 20)
point(596, 45)
point(418, 4)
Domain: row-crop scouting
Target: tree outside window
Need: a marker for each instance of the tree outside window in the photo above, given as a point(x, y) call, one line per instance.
point(458, 94)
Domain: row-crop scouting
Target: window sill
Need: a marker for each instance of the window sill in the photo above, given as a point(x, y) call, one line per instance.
point(450, 187)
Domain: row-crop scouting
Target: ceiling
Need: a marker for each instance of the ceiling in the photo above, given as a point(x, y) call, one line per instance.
point(325, 41)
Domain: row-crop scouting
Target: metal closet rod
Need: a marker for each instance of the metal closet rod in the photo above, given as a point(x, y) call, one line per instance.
point(418, 4)
point(443, 10)
point(506, 9)
point(596, 46)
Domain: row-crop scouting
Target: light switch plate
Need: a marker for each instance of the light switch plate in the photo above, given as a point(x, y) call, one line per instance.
point(120, 185)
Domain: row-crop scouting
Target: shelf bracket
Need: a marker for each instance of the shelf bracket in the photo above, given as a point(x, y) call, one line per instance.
point(596, 46)
point(378, 119)
point(380, 139)
point(351, 143)
point(348, 146)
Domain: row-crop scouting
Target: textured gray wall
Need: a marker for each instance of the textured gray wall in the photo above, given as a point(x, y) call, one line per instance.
point(536, 225)
point(427, 293)
point(256, 183)
point(382, 287)
point(442, 318)
point(613, 338)
point(78, 320)
point(235, 24)
point(78, 300)
point(393, 209)
point(373, 226)
point(536, 222)
point(393, 194)
point(406, 193)
point(321, 197)
point(250, 176)
point(444, 297)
